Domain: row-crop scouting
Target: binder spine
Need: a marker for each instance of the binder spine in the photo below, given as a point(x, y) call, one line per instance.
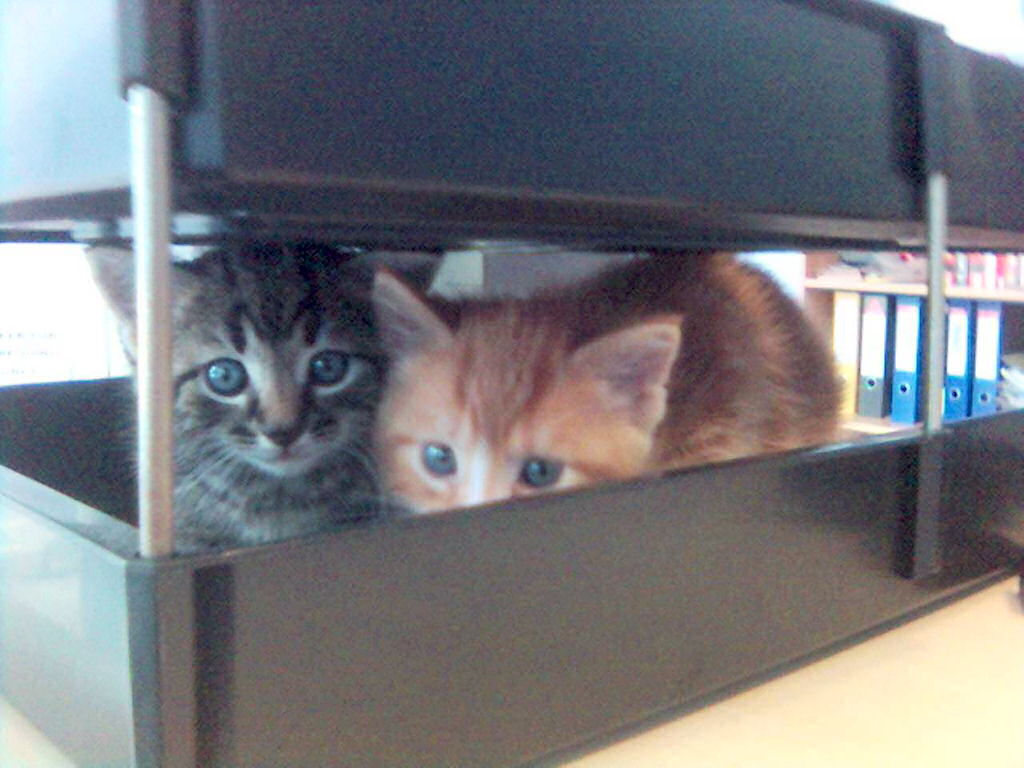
point(876, 347)
point(846, 347)
point(987, 354)
point(906, 390)
point(959, 354)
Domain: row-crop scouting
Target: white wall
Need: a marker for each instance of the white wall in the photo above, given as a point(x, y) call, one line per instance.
point(992, 26)
point(54, 325)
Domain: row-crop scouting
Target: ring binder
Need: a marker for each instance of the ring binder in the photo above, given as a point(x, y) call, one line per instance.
point(987, 351)
point(906, 399)
point(957, 392)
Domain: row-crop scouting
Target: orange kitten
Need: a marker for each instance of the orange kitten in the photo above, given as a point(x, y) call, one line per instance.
point(667, 362)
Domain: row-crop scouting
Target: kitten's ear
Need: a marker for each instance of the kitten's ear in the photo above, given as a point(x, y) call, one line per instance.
point(407, 323)
point(113, 269)
point(416, 268)
point(632, 366)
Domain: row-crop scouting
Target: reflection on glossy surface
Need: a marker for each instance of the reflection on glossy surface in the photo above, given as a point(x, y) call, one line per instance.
point(21, 743)
point(63, 638)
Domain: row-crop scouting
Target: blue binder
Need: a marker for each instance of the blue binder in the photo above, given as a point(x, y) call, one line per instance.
point(988, 317)
point(906, 397)
point(959, 353)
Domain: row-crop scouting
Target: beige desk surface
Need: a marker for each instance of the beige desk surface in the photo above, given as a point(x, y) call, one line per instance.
point(944, 690)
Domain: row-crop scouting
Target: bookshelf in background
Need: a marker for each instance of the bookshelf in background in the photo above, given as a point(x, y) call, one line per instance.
point(982, 284)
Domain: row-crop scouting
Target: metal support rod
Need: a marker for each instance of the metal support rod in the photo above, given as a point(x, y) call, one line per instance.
point(919, 545)
point(935, 328)
point(149, 122)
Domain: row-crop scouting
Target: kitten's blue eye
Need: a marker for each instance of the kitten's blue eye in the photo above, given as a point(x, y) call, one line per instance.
point(226, 377)
point(439, 459)
point(540, 473)
point(328, 368)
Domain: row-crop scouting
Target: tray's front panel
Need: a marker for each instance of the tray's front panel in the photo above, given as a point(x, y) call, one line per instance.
point(983, 488)
point(765, 106)
point(494, 636)
point(64, 662)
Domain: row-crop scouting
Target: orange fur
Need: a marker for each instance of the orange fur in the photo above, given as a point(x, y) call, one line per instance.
point(664, 363)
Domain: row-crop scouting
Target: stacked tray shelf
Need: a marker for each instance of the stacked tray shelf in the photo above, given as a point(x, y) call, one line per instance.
point(502, 634)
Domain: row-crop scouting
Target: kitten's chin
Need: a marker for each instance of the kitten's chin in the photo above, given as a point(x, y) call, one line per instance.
point(284, 468)
point(285, 463)
point(422, 505)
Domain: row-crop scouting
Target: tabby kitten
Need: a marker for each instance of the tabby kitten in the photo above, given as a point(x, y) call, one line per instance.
point(674, 360)
point(277, 375)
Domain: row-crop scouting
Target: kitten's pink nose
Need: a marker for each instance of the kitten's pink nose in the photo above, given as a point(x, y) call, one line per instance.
point(476, 494)
point(481, 480)
point(283, 436)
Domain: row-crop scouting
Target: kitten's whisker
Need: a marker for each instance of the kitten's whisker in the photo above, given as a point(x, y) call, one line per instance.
point(211, 463)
